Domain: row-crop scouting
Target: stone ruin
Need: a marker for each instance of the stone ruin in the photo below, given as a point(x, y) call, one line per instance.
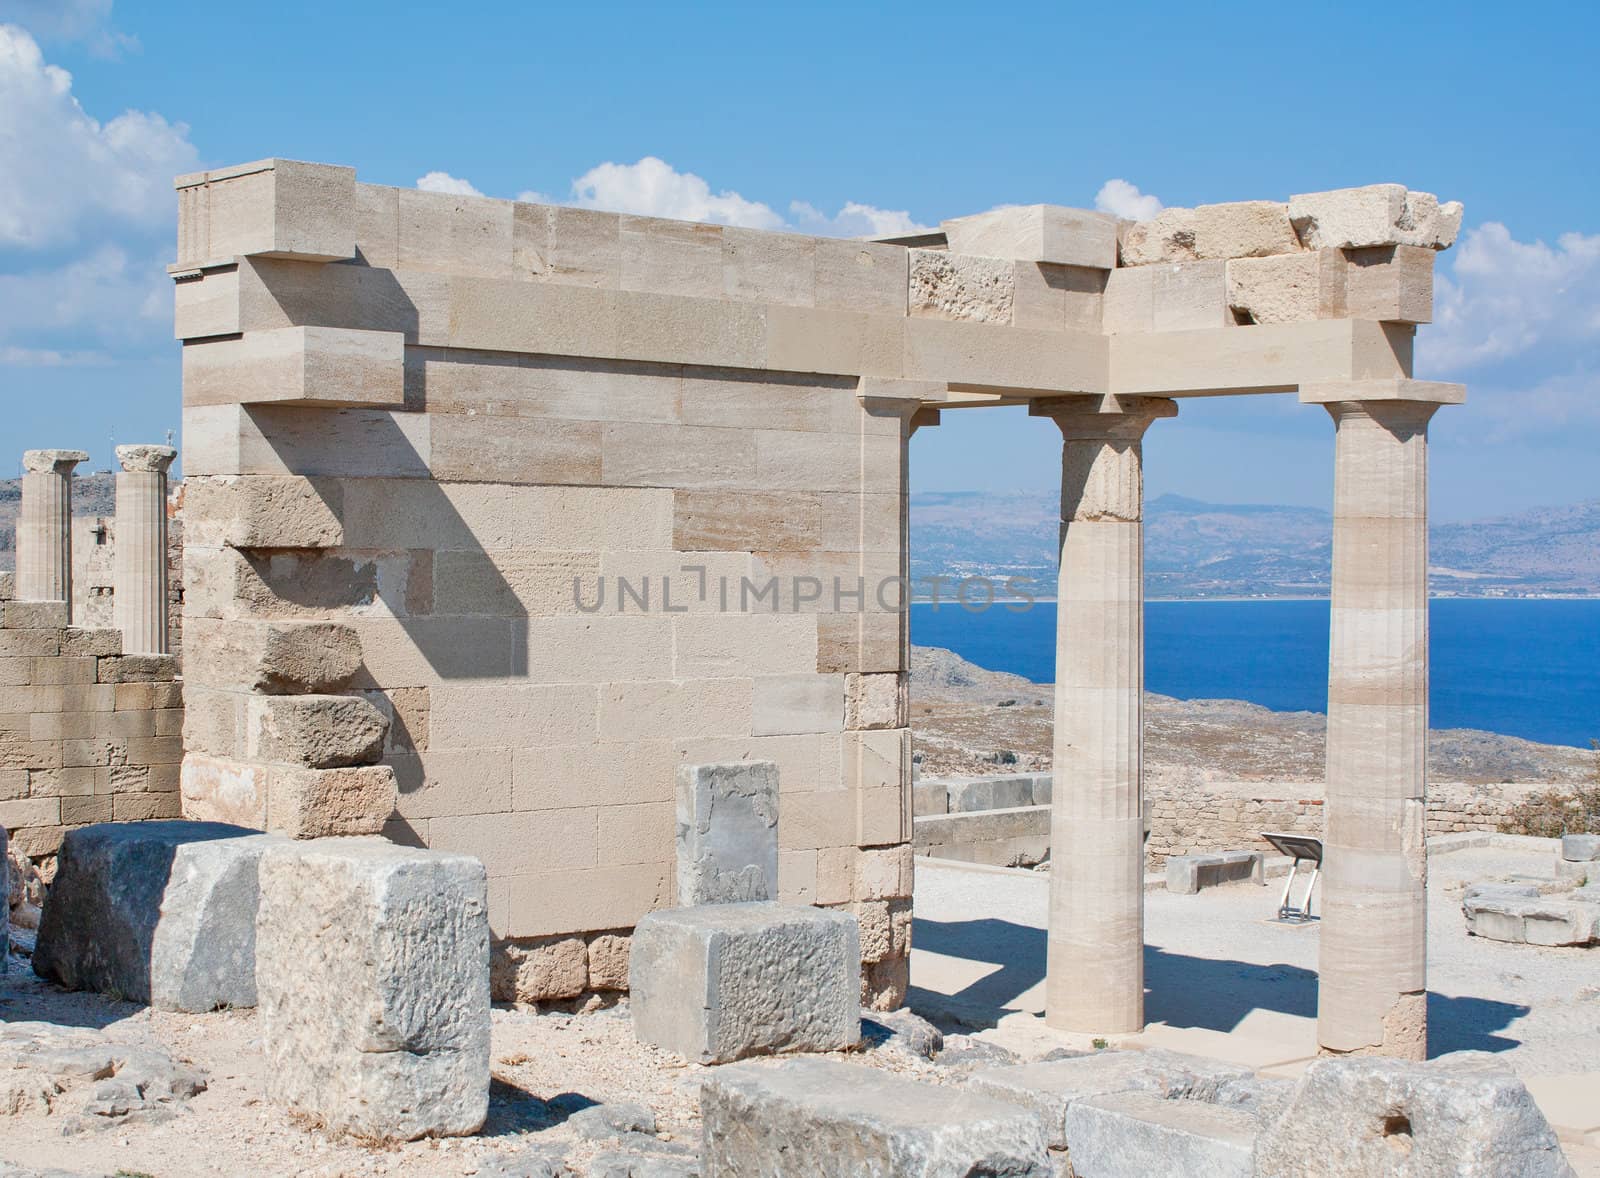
point(501, 519)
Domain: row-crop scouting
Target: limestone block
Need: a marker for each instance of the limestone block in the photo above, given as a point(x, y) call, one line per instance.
point(311, 366)
point(1288, 288)
point(319, 803)
point(545, 969)
point(861, 276)
point(1463, 1114)
point(206, 304)
point(874, 701)
point(727, 832)
point(1043, 789)
point(1243, 229)
point(990, 793)
point(155, 912)
point(1037, 233)
point(1379, 214)
point(608, 961)
point(672, 257)
point(769, 267)
point(318, 731)
point(1393, 284)
point(725, 981)
point(930, 797)
point(1188, 296)
point(273, 208)
point(372, 971)
point(782, 705)
point(812, 1118)
point(1051, 1088)
point(1187, 874)
point(1168, 237)
point(1129, 301)
point(262, 511)
point(1499, 913)
point(272, 658)
point(1580, 848)
point(1136, 1134)
point(455, 234)
point(959, 286)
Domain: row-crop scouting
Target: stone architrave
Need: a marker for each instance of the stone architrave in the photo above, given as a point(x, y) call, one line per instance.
point(140, 563)
point(727, 832)
point(44, 526)
point(1372, 970)
point(1095, 972)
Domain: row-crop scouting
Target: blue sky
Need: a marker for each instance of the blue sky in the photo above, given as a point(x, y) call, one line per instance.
point(838, 119)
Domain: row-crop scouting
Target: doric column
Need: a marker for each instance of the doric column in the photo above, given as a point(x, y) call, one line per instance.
point(1095, 973)
point(140, 569)
point(1372, 985)
point(44, 526)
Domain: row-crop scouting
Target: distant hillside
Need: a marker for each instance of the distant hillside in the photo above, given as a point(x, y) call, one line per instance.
point(1197, 549)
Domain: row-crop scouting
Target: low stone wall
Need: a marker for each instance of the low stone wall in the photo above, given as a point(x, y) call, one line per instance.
point(87, 734)
point(1183, 816)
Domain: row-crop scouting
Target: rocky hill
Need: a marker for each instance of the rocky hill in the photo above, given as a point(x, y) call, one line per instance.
point(1198, 549)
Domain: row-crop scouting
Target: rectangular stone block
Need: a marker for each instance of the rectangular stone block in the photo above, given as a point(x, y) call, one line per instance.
point(206, 304)
point(372, 974)
point(727, 832)
point(1288, 288)
point(783, 705)
point(313, 366)
point(1188, 874)
point(36, 615)
point(284, 511)
point(726, 981)
point(862, 276)
point(454, 234)
point(930, 797)
point(274, 208)
point(812, 1118)
point(155, 912)
point(1393, 284)
point(1189, 295)
point(990, 793)
point(319, 803)
point(875, 701)
point(1135, 1135)
point(1580, 848)
point(1051, 1088)
point(317, 731)
point(1037, 233)
point(270, 657)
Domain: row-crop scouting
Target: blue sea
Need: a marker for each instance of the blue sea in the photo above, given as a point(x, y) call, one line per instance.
point(1528, 668)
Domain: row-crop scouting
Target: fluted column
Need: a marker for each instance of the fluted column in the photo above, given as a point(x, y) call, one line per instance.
point(139, 571)
point(1372, 986)
point(44, 526)
point(1095, 973)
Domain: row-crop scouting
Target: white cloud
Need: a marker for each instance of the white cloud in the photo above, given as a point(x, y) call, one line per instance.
point(13, 357)
point(61, 170)
point(106, 298)
point(88, 21)
point(654, 188)
point(1121, 199)
point(445, 182)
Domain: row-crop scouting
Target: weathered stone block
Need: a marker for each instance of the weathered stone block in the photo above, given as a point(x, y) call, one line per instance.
point(1464, 1114)
point(1580, 848)
point(1510, 913)
point(1187, 874)
point(1393, 284)
point(1378, 214)
point(157, 912)
point(312, 366)
point(1288, 288)
point(372, 969)
point(727, 832)
point(318, 803)
point(542, 969)
point(1037, 233)
point(990, 793)
point(812, 1118)
point(1137, 1135)
point(262, 511)
point(724, 981)
point(317, 731)
point(273, 208)
point(960, 286)
point(1243, 229)
point(874, 701)
point(1051, 1088)
point(272, 658)
point(930, 797)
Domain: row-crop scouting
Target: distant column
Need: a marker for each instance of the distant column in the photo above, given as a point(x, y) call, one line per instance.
point(1095, 975)
point(44, 526)
point(1372, 971)
point(140, 569)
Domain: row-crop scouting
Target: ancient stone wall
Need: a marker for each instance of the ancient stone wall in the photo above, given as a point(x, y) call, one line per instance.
point(87, 734)
point(94, 546)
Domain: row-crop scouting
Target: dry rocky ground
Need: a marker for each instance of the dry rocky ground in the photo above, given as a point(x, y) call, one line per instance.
point(965, 720)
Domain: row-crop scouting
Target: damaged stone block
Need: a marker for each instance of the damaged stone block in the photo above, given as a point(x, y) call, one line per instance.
point(270, 658)
point(1521, 916)
point(960, 286)
point(1376, 215)
point(1463, 1114)
point(372, 969)
point(319, 803)
point(724, 981)
point(727, 841)
point(317, 731)
point(812, 1118)
point(262, 512)
point(156, 912)
point(1288, 288)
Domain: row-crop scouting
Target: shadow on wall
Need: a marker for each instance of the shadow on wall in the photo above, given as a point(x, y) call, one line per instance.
point(1182, 991)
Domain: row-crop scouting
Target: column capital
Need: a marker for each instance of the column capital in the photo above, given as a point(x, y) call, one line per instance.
point(1394, 390)
point(59, 461)
point(1107, 417)
point(146, 459)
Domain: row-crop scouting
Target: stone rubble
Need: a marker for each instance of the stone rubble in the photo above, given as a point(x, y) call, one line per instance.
point(87, 1078)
